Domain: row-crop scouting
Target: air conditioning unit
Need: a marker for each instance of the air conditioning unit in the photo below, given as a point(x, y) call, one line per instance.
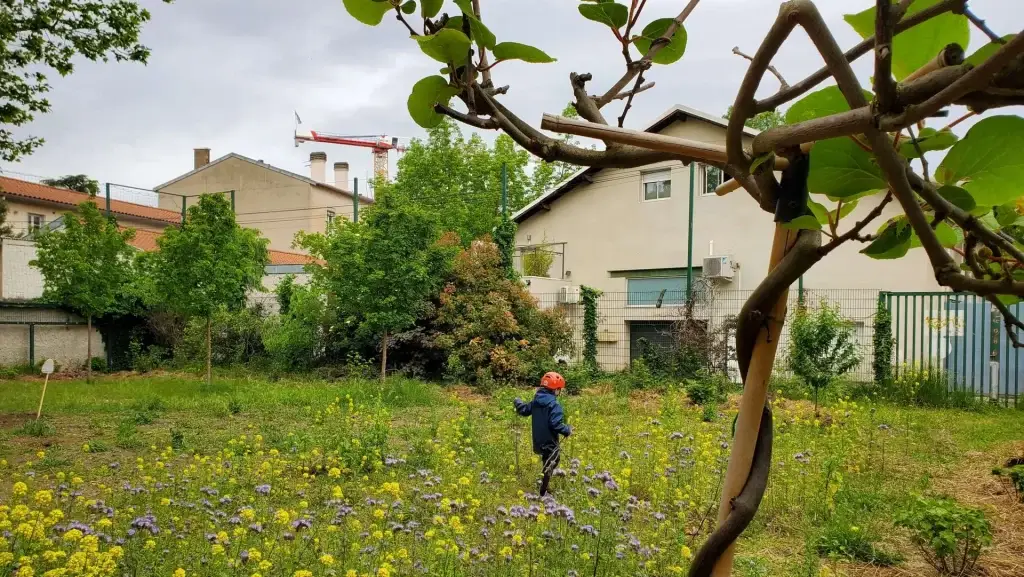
point(569, 295)
point(718, 267)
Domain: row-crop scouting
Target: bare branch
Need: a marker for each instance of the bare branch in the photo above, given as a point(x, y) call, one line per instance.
point(471, 120)
point(782, 81)
point(629, 100)
point(885, 86)
point(1010, 321)
point(628, 93)
point(920, 153)
point(643, 64)
point(401, 18)
point(805, 85)
point(584, 104)
point(980, 24)
point(854, 232)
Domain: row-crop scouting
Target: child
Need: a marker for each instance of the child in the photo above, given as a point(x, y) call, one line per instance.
point(548, 423)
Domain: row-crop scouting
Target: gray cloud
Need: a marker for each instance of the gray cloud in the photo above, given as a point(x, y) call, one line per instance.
point(227, 74)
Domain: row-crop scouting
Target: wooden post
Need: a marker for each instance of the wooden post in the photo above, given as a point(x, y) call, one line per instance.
point(755, 392)
point(46, 381)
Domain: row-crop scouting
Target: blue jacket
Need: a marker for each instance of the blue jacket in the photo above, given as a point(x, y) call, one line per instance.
point(548, 419)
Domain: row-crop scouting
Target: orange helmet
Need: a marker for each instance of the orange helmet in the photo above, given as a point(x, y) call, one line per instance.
point(552, 381)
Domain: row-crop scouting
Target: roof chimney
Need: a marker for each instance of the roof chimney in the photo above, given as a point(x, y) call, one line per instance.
point(318, 166)
point(202, 157)
point(341, 175)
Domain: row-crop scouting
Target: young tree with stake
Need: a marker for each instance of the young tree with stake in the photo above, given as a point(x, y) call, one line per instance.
point(209, 263)
point(842, 142)
point(85, 265)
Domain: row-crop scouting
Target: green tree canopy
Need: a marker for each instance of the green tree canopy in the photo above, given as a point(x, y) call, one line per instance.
point(77, 182)
point(382, 272)
point(210, 263)
point(86, 264)
point(763, 121)
point(41, 35)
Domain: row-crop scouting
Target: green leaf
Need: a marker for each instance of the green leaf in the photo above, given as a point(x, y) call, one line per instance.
point(466, 6)
point(913, 48)
point(409, 7)
point(928, 140)
point(892, 242)
point(430, 8)
point(367, 11)
point(824, 102)
point(987, 161)
point(669, 53)
point(455, 23)
point(840, 168)
point(958, 197)
point(481, 34)
point(524, 52)
point(805, 222)
point(760, 160)
point(819, 211)
point(986, 51)
point(844, 210)
point(425, 94)
point(1008, 300)
point(1006, 214)
point(609, 13)
point(445, 46)
point(948, 236)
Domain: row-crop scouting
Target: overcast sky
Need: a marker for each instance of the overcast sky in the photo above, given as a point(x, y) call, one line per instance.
point(227, 74)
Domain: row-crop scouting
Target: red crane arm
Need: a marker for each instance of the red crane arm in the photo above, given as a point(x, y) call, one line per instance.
point(378, 143)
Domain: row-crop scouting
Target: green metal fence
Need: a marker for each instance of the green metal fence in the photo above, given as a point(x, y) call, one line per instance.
point(959, 335)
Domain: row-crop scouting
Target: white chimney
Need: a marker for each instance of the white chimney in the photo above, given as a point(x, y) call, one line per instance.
point(341, 175)
point(318, 166)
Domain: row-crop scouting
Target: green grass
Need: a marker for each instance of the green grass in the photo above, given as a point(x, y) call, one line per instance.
point(837, 478)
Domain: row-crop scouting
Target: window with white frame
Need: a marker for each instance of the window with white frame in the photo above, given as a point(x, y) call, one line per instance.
point(712, 177)
point(35, 222)
point(656, 185)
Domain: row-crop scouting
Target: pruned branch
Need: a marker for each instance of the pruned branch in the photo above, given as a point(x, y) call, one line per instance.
point(920, 153)
point(643, 88)
point(782, 81)
point(1010, 321)
point(468, 119)
point(629, 99)
point(885, 86)
point(980, 24)
point(854, 232)
point(584, 104)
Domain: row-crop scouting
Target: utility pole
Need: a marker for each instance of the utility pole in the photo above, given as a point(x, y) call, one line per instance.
point(355, 200)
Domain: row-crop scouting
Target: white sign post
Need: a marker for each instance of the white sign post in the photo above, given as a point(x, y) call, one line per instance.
point(47, 370)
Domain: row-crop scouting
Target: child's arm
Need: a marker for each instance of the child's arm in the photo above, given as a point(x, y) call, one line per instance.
point(557, 421)
point(523, 408)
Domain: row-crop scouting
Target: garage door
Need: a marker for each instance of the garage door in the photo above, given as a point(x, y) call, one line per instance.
point(656, 333)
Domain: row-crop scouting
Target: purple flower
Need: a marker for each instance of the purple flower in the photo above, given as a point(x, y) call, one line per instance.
point(287, 536)
point(262, 489)
point(256, 528)
point(593, 492)
point(300, 524)
point(244, 555)
point(675, 436)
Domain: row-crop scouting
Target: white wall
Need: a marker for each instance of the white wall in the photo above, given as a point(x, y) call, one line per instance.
point(18, 280)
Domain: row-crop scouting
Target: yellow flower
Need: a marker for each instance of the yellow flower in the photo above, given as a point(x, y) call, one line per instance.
point(43, 498)
point(217, 549)
point(179, 572)
point(384, 571)
point(72, 535)
point(302, 573)
point(351, 573)
point(327, 559)
point(334, 472)
point(150, 544)
point(20, 489)
point(336, 493)
point(686, 553)
point(265, 565)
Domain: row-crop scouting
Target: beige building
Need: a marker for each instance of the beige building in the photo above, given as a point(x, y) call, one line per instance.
point(624, 231)
point(276, 202)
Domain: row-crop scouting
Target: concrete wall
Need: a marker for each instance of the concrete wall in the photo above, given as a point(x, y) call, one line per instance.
point(65, 344)
point(277, 205)
point(268, 296)
point(607, 226)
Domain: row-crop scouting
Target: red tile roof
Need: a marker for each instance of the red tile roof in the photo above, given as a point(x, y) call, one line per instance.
point(145, 240)
point(13, 188)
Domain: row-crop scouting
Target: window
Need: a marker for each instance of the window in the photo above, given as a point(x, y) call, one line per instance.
point(330, 216)
point(35, 222)
point(712, 177)
point(657, 185)
point(656, 292)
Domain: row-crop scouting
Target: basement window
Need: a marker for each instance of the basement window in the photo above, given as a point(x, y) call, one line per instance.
point(657, 185)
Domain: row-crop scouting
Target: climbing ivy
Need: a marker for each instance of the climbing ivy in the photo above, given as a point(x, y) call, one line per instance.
point(505, 238)
point(883, 343)
point(589, 296)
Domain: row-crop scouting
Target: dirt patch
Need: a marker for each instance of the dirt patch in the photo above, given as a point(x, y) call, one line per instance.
point(15, 420)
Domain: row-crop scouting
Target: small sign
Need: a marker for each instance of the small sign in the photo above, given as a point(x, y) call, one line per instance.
point(48, 367)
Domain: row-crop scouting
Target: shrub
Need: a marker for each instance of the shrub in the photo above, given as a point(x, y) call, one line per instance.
point(37, 428)
point(488, 329)
point(145, 360)
point(177, 439)
point(821, 347)
point(883, 344)
point(235, 337)
point(707, 390)
point(99, 364)
point(842, 540)
point(537, 261)
point(292, 339)
point(950, 536)
point(234, 406)
point(1012, 479)
point(710, 413)
point(788, 387)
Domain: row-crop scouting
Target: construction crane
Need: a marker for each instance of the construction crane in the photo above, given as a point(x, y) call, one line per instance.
point(380, 145)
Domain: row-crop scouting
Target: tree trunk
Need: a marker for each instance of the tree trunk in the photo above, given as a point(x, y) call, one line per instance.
point(209, 352)
point(755, 392)
point(384, 358)
point(88, 348)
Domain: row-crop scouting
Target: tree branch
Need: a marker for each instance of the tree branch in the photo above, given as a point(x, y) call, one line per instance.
point(1010, 321)
point(628, 93)
point(885, 86)
point(584, 104)
point(782, 81)
point(629, 100)
point(854, 232)
point(805, 85)
point(470, 120)
point(643, 64)
point(980, 24)
point(401, 18)
point(920, 153)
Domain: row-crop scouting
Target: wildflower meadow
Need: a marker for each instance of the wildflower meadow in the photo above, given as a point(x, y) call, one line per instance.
point(161, 476)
